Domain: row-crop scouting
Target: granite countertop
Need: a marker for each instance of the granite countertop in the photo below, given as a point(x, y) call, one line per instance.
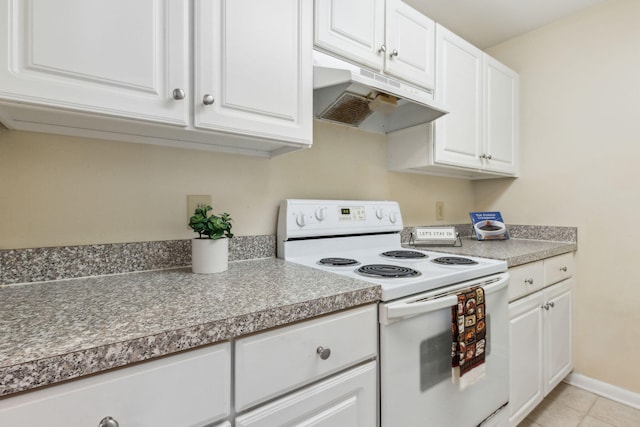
point(59, 330)
point(514, 251)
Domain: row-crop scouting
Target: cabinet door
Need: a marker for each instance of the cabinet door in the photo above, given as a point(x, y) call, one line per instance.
point(501, 117)
point(253, 70)
point(346, 400)
point(526, 389)
point(558, 333)
point(458, 135)
point(353, 29)
point(410, 41)
point(115, 57)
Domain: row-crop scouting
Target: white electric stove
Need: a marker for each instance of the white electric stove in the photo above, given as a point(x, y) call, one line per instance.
point(361, 239)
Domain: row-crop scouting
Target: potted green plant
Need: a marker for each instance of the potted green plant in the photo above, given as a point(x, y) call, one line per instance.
point(210, 250)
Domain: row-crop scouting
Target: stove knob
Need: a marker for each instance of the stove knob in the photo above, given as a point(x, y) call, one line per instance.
point(300, 220)
point(393, 217)
point(379, 213)
point(321, 214)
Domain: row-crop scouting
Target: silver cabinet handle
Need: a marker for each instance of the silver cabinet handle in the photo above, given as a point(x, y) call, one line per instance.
point(382, 49)
point(563, 269)
point(488, 157)
point(207, 99)
point(529, 281)
point(546, 307)
point(178, 94)
point(324, 353)
point(483, 156)
point(108, 422)
point(393, 53)
point(551, 304)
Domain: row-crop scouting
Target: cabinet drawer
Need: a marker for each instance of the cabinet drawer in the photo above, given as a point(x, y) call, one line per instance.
point(558, 268)
point(525, 279)
point(277, 361)
point(193, 388)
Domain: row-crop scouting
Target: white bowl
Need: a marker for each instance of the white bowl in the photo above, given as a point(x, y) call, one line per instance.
point(497, 228)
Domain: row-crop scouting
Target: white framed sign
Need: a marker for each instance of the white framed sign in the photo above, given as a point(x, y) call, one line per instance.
point(435, 236)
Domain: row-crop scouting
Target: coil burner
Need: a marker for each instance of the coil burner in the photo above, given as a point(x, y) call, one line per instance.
point(387, 271)
point(404, 254)
point(338, 262)
point(454, 260)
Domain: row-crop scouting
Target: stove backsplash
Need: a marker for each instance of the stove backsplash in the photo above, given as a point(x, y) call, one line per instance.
point(68, 262)
point(532, 232)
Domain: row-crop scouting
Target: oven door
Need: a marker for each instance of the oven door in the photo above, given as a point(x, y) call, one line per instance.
point(415, 360)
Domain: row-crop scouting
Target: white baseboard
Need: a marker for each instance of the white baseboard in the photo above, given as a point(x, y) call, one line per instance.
point(603, 389)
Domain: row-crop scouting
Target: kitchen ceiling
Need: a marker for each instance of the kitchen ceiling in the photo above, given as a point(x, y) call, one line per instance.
point(486, 23)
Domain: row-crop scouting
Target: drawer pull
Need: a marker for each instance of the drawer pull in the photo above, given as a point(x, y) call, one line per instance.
point(108, 422)
point(324, 353)
point(563, 269)
point(529, 281)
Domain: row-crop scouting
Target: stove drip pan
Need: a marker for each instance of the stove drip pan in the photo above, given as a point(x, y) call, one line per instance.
point(338, 262)
point(404, 254)
point(387, 271)
point(454, 260)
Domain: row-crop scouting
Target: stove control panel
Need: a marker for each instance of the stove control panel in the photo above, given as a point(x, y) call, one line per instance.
point(351, 213)
point(300, 218)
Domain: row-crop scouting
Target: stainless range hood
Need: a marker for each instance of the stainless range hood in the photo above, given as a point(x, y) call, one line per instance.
point(358, 97)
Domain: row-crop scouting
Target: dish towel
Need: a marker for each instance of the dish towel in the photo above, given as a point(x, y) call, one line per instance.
point(468, 327)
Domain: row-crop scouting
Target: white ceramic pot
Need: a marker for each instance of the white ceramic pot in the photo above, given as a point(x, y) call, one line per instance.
point(209, 255)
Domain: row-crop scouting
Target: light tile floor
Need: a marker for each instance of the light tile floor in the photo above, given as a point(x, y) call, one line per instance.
point(568, 406)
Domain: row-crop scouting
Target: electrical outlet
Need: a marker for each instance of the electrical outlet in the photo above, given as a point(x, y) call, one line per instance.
point(195, 201)
point(439, 211)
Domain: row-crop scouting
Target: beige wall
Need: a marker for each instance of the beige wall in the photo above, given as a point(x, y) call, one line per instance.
point(580, 145)
point(58, 190)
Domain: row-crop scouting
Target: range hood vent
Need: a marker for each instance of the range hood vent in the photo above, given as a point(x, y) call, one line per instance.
point(350, 108)
point(349, 95)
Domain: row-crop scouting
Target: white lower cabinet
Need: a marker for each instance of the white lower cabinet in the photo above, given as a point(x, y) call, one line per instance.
point(274, 362)
point(540, 334)
point(189, 389)
point(345, 400)
point(320, 372)
point(326, 365)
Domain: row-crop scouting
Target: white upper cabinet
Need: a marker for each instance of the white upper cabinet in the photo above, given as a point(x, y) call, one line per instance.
point(353, 29)
point(219, 75)
point(252, 61)
point(459, 86)
point(410, 41)
point(500, 117)
point(479, 137)
point(388, 36)
point(118, 57)
point(480, 132)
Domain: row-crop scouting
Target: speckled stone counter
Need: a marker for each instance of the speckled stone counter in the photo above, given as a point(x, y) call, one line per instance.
point(55, 331)
point(514, 251)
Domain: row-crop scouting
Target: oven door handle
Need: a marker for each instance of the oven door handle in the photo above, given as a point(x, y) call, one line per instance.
point(402, 309)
